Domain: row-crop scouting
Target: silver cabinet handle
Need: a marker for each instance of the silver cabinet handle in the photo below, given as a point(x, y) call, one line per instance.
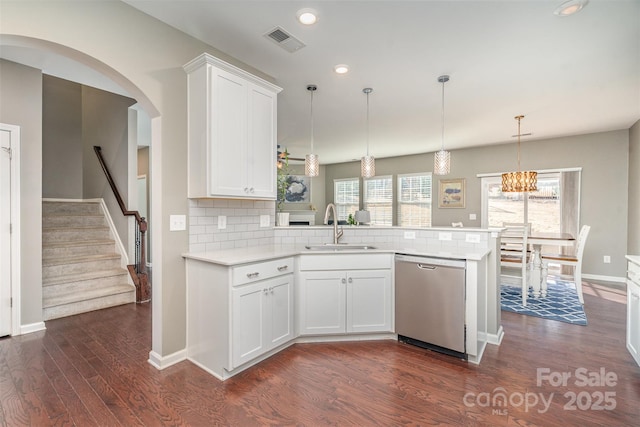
point(283, 268)
point(350, 280)
point(253, 275)
point(251, 190)
point(344, 280)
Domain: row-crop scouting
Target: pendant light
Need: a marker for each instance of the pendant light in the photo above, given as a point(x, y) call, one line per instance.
point(442, 159)
point(367, 163)
point(519, 182)
point(311, 161)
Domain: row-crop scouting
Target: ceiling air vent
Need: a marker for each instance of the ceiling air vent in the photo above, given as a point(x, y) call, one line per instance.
point(285, 40)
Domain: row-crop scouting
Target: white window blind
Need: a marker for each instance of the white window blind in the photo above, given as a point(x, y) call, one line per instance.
point(378, 199)
point(414, 200)
point(346, 195)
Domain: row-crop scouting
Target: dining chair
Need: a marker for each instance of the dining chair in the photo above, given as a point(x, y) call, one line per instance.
point(574, 260)
point(515, 257)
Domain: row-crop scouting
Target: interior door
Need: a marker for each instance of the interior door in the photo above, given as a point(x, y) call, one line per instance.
point(5, 232)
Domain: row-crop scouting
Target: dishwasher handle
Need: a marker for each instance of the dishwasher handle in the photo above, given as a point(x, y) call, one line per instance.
point(426, 267)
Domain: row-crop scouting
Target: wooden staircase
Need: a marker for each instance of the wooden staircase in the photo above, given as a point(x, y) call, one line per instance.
point(81, 270)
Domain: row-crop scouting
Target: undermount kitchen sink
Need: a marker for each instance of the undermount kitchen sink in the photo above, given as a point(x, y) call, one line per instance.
point(339, 247)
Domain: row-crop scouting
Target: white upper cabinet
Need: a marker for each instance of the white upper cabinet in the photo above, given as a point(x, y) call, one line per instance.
point(232, 131)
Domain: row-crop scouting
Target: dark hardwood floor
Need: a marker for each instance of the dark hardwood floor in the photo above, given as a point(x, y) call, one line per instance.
point(92, 369)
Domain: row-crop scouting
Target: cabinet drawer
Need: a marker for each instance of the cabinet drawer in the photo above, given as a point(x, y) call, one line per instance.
point(250, 273)
point(342, 261)
point(633, 271)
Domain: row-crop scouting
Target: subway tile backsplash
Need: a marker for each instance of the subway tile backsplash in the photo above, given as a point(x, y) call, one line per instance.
point(243, 230)
point(242, 227)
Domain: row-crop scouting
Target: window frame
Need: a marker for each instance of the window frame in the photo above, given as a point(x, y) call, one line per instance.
point(365, 204)
point(399, 203)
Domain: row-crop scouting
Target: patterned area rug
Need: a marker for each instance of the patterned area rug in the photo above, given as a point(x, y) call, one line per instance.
point(561, 302)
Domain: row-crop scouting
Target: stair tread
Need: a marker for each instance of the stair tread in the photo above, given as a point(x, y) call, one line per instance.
point(74, 297)
point(83, 228)
point(76, 259)
point(66, 243)
point(77, 277)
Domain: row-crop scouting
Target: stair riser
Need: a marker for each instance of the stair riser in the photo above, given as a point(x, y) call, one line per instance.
point(89, 305)
point(71, 235)
point(71, 251)
point(71, 208)
point(54, 291)
point(79, 267)
point(73, 221)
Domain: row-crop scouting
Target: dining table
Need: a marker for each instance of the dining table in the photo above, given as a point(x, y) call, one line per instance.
point(537, 240)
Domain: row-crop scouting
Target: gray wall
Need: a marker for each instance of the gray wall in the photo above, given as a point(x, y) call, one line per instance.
point(602, 156)
point(61, 139)
point(75, 118)
point(105, 119)
point(633, 244)
point(21, 104)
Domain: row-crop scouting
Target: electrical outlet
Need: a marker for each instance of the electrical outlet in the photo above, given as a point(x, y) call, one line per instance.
point(177, 222)
point(444, 236)
point(410, 235)
point(473, 238)
point(222, 222)
point(264, 220)
point(607, 259)
point(472, 217)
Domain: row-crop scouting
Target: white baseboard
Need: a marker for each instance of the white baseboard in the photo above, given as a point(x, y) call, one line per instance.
point(162, 362)
point(615, 279)
point(496, 339)
point(32, 327)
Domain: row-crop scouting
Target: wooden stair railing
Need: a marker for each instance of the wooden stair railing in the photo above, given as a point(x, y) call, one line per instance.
point(138, 270)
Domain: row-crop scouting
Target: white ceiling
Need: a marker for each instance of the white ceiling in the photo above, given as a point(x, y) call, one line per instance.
point(568, 76)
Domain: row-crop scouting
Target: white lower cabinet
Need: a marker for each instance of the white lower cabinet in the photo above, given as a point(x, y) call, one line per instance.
point(236, 315)
point(333, 300)
point(262, 317)
point(633, 310)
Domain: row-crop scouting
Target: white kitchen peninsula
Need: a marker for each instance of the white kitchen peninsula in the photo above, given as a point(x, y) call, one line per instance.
point(227, 334)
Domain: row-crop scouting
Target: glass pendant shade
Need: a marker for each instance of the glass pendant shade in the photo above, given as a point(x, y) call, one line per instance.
point(368, 166)
point(311, 165)
point(520, 181)
point(367, 162)
point(442, 163)
point(442, 159)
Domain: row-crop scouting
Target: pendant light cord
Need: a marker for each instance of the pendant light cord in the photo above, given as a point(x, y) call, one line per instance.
point(368, 92)
point(442, 146)
point(311, 113)
point(519, 118)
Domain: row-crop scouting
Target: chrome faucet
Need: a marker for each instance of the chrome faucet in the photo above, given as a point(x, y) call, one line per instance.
point(336, 234)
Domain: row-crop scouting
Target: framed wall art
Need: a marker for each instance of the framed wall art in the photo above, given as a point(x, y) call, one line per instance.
point(452, 193)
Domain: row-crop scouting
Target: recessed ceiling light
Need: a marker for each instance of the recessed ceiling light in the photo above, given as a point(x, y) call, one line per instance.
point(307, 16)
point(570, 7)
point(341, 68)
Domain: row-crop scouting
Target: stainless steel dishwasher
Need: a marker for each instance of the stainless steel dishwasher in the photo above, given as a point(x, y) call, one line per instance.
point(430, 303)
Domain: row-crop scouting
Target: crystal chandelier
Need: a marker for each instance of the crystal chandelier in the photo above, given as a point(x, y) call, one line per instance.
point(367, 163)
point(311, 161)
point(442, 159)
point(520, 181)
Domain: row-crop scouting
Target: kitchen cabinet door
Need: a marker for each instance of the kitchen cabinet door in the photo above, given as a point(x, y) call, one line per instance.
point(369, 301)
point(262, 315)
point(280, 311)
point(248, 322)
point(322, 302)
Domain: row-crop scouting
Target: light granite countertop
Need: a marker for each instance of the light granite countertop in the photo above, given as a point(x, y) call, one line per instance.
point(238, 256)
